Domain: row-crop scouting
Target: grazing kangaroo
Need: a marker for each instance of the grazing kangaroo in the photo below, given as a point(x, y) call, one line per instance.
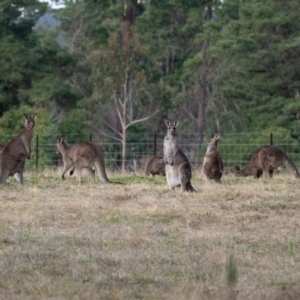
point(265, 160)
point(212, 162)
point(253, 168)
point(155, 165)
point(14, 154)
point(82, 155)
point(178, 168)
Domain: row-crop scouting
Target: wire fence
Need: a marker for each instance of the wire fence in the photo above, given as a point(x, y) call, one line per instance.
point(44, 150)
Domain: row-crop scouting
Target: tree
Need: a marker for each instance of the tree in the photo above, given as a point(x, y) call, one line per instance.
point(259, 43)
point(33, 67)
point(179, 37)
point(16, 40)
point(198, 67)
point(120, 76)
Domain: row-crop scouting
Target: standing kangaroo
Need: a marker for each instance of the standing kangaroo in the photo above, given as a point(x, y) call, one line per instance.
point(17, 175)
point(82, 155)
point(265, 160)
point(178, 168)
point(212, 162)
point(14, 154)
point(155, 165)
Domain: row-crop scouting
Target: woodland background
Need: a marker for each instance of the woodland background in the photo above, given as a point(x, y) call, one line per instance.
point(117, 69)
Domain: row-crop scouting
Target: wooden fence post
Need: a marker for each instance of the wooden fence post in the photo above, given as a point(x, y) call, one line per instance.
point(91, 137)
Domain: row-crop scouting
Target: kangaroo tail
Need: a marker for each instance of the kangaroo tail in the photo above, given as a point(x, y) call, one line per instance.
point(100, 166)
point(287, 162)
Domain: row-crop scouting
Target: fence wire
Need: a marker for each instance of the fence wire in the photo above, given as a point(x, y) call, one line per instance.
point(233, 154)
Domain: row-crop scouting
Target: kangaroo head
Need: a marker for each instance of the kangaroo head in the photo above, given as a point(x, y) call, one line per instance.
point(172, 127)
point(29, 121)
point(214, 140)
point(60, 143)
point(213, 143)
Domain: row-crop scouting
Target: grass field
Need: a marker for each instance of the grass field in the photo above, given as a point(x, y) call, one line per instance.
point(141, 240)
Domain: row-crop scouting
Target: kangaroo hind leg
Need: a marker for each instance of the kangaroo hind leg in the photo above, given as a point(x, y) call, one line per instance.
point(78, 173)
point(92, 173)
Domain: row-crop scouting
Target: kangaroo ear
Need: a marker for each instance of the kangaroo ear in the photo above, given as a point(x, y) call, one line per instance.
point(26, 116)
point(34, 115)
point(60, 140)
point(167, 122)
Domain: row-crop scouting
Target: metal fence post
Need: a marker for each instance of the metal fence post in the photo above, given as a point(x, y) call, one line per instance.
point(154, 145)
point(37, 152)
point(271, 138)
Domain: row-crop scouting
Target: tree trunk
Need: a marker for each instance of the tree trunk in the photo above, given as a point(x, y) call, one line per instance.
point(123, 168)
point(200, 122)
point(203, 79)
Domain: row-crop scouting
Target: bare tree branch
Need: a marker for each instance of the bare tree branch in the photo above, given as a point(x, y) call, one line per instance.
point(141, 120)
point(104, 133)
point(118, 111)
point(189, 113)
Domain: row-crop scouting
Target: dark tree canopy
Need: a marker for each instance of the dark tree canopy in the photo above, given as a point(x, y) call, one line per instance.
point(220, 66)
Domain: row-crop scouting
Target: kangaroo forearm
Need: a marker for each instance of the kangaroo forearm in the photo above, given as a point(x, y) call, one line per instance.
point(28, 151)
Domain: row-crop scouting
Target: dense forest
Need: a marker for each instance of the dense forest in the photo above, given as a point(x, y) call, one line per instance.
point(121, 67)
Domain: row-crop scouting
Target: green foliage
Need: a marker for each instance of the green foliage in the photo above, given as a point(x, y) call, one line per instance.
point(135, 134)
point(193, 62)
point(12, 122)
point(241, 64)
point(258, 41)
point(168, 28)
point(74, 127)
point(231, 270)
point(16, 43)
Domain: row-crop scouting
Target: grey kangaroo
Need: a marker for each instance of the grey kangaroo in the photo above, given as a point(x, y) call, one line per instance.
point(17, 175)
point(212, 162)
point(264, 161)
point(14, 154)
point(178, 168)
point(81, 155)
point(155, 165)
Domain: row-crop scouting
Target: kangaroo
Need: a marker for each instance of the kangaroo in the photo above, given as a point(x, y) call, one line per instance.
point(17, 175)
point(178, 168)
point(212, 162)
point(82, 155)
point(265, 160)
point(253, 168)
point(14, 154)
point(155, 165)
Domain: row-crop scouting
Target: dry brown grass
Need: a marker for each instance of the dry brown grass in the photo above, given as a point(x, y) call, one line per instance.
point(140, 240)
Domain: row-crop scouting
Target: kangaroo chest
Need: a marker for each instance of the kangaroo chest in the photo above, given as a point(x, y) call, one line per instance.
point(170, 147)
